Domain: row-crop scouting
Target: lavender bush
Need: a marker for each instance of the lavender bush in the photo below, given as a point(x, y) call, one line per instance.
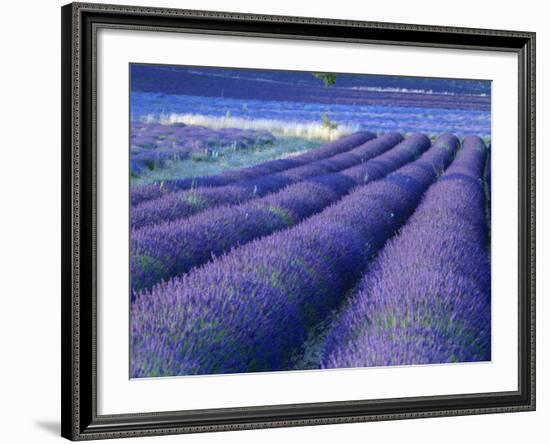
point(426, 297)
point(183, 204)
point(252, 308)
point(168, 249)
point(488, 190)
point(152, 144)
point(153, 191)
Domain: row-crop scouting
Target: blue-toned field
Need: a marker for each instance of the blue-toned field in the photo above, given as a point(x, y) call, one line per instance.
point(293, 221)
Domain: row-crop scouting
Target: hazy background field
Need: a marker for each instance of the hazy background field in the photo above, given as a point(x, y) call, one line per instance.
point(193, 121)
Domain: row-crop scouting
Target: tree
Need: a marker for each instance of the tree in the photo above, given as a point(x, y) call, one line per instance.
point(328, 79)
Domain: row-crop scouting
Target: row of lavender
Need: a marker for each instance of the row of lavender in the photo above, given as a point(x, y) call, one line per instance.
point(178, 205)
point(168, 249)
point(440, 311)
point(252, 308)
point(153, 191)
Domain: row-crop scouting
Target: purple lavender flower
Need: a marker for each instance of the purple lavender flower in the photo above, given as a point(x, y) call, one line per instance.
point(251, 309)
point(154, 145)
point(426, 297)
point(182, 204)
point(152, 191)
point(167, 249)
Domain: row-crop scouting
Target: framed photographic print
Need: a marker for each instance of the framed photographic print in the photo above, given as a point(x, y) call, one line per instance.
point(279, 221)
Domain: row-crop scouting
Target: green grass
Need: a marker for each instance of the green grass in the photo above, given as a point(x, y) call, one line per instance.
point(226, 159)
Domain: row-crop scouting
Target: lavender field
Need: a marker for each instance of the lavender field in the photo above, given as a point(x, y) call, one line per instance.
point(296, 221)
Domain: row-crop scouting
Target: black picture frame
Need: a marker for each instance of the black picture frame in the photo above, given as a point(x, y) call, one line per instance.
point(80, 420)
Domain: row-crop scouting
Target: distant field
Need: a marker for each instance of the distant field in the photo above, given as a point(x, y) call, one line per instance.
point(382, 115)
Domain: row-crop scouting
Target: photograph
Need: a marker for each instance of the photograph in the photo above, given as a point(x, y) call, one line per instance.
point(306, 221)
